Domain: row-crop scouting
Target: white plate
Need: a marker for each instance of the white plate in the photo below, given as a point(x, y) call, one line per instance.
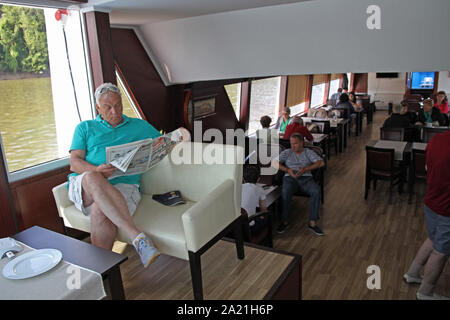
point(32, 263)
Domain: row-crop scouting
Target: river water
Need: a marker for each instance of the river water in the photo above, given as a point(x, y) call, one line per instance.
point(27, 122)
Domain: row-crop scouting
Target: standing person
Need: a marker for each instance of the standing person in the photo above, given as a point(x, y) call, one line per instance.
point(297, 163)
point(266, 134)
point(441, 102)
point(110, 203)
point(434, 252)
point(430, 114)
point(283, 121)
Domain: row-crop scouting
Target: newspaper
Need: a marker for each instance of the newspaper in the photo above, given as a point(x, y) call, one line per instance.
point(139, 156)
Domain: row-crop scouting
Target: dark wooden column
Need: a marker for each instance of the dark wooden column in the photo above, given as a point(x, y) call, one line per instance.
point(8, 225)
point(100, 47)
point(245, 105)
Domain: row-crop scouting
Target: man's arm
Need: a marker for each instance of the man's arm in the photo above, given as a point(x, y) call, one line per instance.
point(315, 165)
point(277, 165)
point(78, 164)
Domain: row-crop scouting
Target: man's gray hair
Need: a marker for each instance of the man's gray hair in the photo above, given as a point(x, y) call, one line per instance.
point(105, 88)
point(297, 136)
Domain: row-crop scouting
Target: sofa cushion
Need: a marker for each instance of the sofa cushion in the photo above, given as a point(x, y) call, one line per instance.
point(163, 224)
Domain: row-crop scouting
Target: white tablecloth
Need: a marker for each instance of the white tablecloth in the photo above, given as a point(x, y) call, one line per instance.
point(419, 145)
point(65, 281)
point(399, 147)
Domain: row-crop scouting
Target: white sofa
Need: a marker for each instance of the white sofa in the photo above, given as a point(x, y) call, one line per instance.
point(213, 195)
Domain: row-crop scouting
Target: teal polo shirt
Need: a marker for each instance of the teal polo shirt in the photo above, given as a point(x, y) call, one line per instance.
point(94, 136)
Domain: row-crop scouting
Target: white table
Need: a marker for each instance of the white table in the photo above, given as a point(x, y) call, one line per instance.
point(398, 146)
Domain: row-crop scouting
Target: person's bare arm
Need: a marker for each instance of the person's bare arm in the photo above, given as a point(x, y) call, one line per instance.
point(78, 164)
point(277, 165)
point(263, 206)
point(315, 165)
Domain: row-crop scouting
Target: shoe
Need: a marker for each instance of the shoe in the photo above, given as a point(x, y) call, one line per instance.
point(410, 279)
point(316, 230)
point(435, 296)
point(146, 250)
point(282, 228)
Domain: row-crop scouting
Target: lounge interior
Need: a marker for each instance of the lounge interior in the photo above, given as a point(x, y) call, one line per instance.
point(167, 59)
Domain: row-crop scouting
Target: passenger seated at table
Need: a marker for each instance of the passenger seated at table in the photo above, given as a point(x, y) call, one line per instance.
point(267, 135)
point(284, 120)
point(411, 115)
point(397, 120)
point(355, 103)
point(297, 163)
point(253, 197)
point(345, 105)
point(296, 126)
point(441, 102)
point(430, 114)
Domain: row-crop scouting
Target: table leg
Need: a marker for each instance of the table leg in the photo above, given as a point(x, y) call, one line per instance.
point(114, 279)
point(345, 134)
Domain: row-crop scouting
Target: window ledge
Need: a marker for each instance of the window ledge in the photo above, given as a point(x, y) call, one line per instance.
point(38, 169)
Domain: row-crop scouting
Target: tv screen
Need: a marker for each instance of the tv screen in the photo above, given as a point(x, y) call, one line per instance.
point(422, 80)
point(387, 74)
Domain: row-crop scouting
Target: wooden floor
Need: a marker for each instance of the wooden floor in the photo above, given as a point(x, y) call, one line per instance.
point(358, 233)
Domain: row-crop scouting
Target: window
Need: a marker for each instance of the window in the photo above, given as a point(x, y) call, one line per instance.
point(234, 94)
point(264, 101)
point(318, 90)
point(44, 87)
point(129, 108)
point(334, 86)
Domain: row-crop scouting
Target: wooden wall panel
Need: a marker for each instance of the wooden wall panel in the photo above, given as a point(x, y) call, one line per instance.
point(335, 76)
point(160, 104)
point(296, 90)
point(7, 219)
point(34, 202)
point(320, 78)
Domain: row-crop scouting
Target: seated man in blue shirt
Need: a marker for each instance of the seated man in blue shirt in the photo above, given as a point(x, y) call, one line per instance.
point(109, 203)
point(298, 163)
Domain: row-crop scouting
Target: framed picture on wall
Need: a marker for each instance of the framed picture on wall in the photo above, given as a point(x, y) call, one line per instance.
point(204, 106)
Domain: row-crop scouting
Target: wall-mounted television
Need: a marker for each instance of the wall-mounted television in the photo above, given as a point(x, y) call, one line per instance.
point(422, 80)
point(387, 74)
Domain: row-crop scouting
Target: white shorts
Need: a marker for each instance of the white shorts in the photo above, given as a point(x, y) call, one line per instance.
point(129, 191)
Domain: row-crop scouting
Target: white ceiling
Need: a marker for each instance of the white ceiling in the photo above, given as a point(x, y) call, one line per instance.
point(137, 12)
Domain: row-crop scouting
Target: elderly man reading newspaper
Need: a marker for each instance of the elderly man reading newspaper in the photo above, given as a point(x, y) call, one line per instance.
point(111, 200)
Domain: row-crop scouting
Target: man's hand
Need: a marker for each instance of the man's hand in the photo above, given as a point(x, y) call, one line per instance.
point(292, 173)
point(106, 170)
point(185, 135)
point(300, 172)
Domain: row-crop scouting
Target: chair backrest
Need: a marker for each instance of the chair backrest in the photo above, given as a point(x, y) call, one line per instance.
point(418, 158)
point(286, 143)
point(395, 134)
point(324, 125)
point(379, 159)
point(428, 133)
point(446, 120)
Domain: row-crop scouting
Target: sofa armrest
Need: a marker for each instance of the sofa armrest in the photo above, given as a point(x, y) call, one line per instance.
point(60, 192)
point(208, 217)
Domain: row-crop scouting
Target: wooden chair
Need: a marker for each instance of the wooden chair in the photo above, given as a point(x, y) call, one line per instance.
point(325, 128)
point(428, 133)
point(264, 236)
point(395, 134)
point(380, 165)
point(417, 170)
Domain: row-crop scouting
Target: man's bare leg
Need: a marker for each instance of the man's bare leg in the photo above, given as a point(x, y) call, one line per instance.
point(109, 200)
point(103, 231)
